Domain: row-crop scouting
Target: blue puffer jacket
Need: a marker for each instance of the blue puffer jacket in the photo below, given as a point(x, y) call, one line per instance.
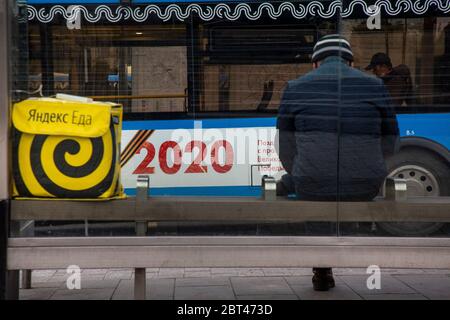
point(336, 126)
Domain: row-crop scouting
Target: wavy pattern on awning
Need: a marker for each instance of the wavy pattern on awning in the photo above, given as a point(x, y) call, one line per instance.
point(233, 12)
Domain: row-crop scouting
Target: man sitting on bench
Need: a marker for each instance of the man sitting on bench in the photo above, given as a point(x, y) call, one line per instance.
point(336, 127)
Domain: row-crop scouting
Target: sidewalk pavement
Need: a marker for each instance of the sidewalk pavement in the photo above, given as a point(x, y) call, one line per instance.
point(239, 284)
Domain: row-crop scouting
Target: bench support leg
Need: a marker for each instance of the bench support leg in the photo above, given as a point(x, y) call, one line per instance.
point(26, 230)
point(269, 188)
point(139, 284)
point(139, 273)
point(12, 285)
point(26, 279)
point(9, 279)
point(23, 229)
point(143, 184)
point(4, 223)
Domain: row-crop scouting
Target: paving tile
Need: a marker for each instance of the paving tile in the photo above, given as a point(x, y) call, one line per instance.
point(276, 272)
point(402, 271)
point(46, 284)
point(250, 272)
point(36, 293)
point(121, 275)
point(60, 272)
point(60, 282)
point(300, 271)
point(83, 294)
point(93, 277)
point(268, 297)
point(225, 270)
point(394, 296)
point(436, 271)
point(95, 271)
point(238, 271)
point(197, 274)
point(340, 292)
point(39, 280)
point(389, 284)
point(436, 287)
point(63, 278)
point(223, 275)
point(248, 284)
point(204, 293)
point(202, 282)
point(161, 289)
point(124, 290)
point(171, 272)
point(260, 285)
point(157, 289)
point(305, 280)
point(95, 284)
point(151, 275)
point(197, 269)
point(43, 273)
point(349, 271)
point(58, 278)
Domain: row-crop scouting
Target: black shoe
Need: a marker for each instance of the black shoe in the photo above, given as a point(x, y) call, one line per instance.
point(330, 280)
point(323, 279)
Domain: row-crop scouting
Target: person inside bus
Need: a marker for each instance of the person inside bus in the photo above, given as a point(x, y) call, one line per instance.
point(336, 125)
point(397, 79)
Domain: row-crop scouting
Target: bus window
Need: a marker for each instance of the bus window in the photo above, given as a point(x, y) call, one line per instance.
point(417, 47)
point(143, 67)
point(245, 67)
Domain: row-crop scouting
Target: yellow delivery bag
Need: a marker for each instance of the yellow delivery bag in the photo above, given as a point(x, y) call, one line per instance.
point(66, 149)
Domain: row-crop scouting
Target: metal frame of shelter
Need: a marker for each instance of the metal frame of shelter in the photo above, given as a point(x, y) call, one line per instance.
point(139, 252)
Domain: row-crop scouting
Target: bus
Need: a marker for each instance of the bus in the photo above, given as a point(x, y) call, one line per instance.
point(208, 76)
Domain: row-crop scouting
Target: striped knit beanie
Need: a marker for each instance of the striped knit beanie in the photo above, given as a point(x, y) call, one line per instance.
point(332, 45)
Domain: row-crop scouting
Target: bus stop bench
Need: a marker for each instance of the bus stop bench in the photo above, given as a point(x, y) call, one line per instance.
point(427, 209)
point(140, 252)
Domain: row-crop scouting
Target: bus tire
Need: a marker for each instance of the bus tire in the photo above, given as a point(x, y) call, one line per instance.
point(427, 174)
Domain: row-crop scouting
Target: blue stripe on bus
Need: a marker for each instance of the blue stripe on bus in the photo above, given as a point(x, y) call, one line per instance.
point(234, 191)
point(201, 123)
point(431, 126)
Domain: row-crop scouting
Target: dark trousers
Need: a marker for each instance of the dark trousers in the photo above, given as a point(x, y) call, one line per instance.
point(287, 187)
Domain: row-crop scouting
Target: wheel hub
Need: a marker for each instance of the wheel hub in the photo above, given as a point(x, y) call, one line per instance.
point(420, 181)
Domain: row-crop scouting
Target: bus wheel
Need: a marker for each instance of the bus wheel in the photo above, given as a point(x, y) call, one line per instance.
point(426, 175)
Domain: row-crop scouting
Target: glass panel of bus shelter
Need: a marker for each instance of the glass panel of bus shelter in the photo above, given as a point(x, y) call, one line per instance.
point(411, 55)
point(226, 143)
point(140, 66)
point(235, 83)
point(17, 43)
point(241, 73)
point(131, 64)
point(246, 65)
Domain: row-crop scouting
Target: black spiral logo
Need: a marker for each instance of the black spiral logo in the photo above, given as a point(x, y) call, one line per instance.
point(41, 166)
